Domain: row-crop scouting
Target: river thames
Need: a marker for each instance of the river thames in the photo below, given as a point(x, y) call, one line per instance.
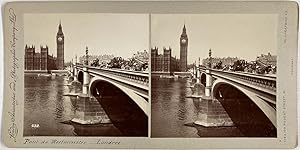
point(47, 112)
point(173, 113)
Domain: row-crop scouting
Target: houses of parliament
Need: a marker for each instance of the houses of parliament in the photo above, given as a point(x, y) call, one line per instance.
point(165, 62)
point(43, 60)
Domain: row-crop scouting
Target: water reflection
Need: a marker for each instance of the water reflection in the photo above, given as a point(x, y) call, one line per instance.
point(46, 105)
point(171, 109)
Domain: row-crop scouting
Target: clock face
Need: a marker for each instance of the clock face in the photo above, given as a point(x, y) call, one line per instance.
point(60, 39)
point(183, 40)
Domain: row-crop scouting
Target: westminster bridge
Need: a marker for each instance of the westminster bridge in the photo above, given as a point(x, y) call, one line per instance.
point(221, 86)
point(123, 94)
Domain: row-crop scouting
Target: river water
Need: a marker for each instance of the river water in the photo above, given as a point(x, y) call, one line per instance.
point(173, 113)
point(47, 112)
point(170, 109)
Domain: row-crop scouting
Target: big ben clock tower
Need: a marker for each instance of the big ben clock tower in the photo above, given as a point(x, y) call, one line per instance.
point(183, 50)
point(60, 48)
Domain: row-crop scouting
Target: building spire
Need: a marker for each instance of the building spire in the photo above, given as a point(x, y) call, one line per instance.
point(183, 30)
point(59, 28)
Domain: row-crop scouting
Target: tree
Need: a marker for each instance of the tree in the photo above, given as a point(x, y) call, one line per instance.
point(239, 65)
point(218, 65)
point(95, 62)
point(116, 62)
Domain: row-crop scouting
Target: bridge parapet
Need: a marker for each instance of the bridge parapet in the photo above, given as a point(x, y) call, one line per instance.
point(138, 78)
point(264, 83)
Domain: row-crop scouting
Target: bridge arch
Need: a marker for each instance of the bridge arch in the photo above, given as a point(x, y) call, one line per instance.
point(80, 76)
point(140, 101)
point(126, 109)
point(267, 109)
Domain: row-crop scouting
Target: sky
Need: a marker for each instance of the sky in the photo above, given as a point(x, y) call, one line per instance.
point(228, 35)
point(237, 35)
point(117, 34)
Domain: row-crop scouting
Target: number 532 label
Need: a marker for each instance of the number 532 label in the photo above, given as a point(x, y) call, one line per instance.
point(35, 125)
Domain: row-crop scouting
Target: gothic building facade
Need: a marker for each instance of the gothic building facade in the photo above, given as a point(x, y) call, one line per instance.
point(165, 62)
point(41, 60)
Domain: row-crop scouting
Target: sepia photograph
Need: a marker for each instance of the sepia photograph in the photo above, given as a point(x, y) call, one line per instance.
point(213, 78)
point(150, 75)
point(86, 74)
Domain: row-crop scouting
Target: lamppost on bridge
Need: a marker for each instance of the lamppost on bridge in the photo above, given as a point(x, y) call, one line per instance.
point(71, 67)
point(195, 69)
point(209, 59)
point(75, 59)
point(86, 56)
point(86, 76)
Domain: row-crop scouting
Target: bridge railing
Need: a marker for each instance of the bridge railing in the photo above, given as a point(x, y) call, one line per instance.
point(263, 81)
point(138, 77)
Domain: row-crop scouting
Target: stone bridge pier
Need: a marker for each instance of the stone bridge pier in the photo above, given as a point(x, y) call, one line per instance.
point(75, 71)
point(86, 81)
point(210, 112)
point(75, 74)
point(208, 85)
point(196, 74)
point(88, 109)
